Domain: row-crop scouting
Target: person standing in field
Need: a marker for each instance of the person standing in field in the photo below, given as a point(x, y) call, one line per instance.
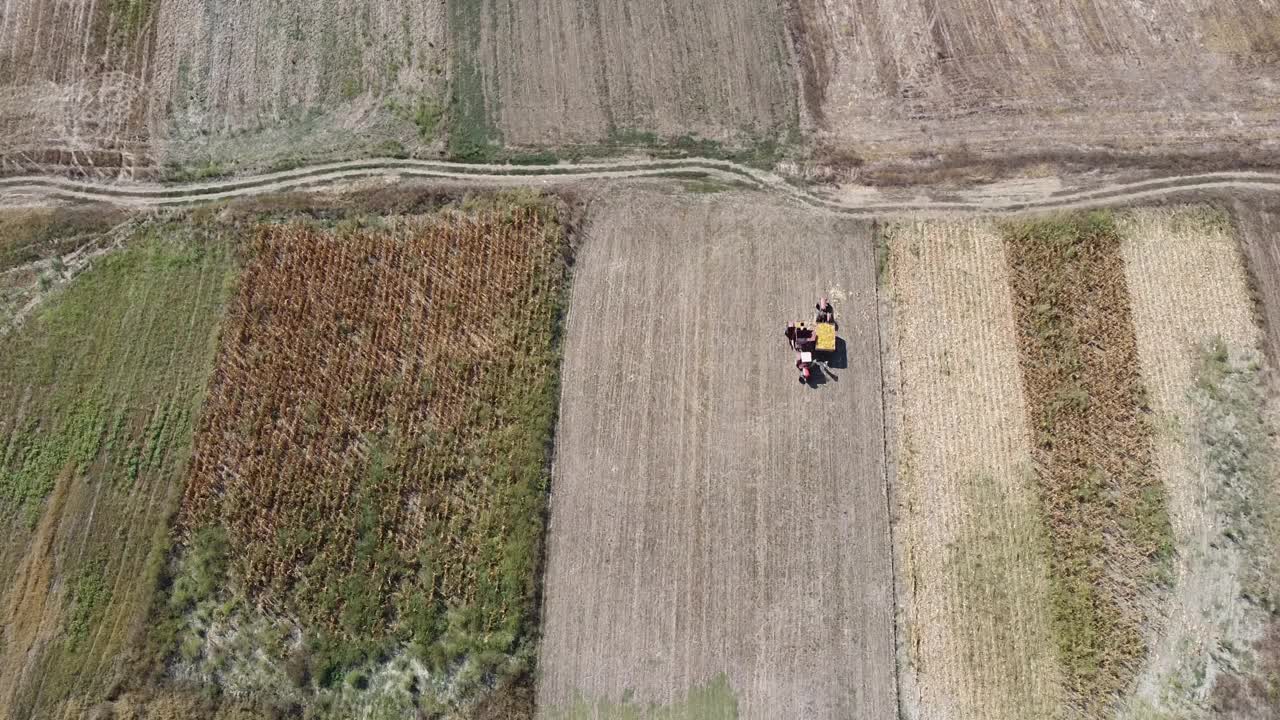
point(825, 313)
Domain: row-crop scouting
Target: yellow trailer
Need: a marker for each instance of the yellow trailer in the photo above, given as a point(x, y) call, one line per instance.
point(826, 337)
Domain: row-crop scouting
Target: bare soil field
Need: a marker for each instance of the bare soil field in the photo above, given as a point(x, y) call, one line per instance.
point(561, 72)
point(973, 604)
point(710, 515)
point(992, 81)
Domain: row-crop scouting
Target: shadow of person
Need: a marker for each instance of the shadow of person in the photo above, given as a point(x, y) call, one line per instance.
point(817, 375)
point(839, 359)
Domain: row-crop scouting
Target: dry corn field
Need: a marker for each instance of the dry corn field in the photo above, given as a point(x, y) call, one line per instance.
point(374, 438)
point(974, 613)
point(1102, 502)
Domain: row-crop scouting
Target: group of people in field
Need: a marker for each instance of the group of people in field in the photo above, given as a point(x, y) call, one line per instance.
point(804, 338)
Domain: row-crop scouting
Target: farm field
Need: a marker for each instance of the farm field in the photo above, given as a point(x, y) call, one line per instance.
point(974, 568)
point(193, 89)
point(74, 84)
point(550, 72)
point(877, 92)
point(362, 524)
point(265, 84)
point(719, 533)
point(1201, 354)
point(99, 390)
point(1132, 467)
point(957, 81)
point(336, 508)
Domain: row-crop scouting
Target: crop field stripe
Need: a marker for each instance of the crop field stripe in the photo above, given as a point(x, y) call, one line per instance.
point(375, 439)
point(974, 601)
point(1103, 503)
point(151, 308)
point(1189, 292)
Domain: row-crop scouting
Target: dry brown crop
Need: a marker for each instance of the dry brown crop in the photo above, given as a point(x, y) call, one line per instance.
point(375, 435)
point(1101, 499)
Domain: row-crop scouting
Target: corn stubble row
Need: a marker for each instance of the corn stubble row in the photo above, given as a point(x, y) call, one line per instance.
point(354, 390)
point(1101, 501)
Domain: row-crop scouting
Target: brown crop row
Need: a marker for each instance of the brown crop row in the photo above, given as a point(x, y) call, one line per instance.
point(1102, 502)
point(349, 432)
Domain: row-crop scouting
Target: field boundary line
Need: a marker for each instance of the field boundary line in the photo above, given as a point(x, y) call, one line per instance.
point(47, 189)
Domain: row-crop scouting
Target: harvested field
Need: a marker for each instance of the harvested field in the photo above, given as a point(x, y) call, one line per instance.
point(1191, 301)
point(974, 572)
point(372, 458)
point(74, 80)
point(709, 514)
point(1101, 497)
point(555, 72)
point(981, 81)
point(267, 83)
point(98, 394)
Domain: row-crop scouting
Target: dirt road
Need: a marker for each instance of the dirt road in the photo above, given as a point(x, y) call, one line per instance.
point(851, 200)
point(710, 514)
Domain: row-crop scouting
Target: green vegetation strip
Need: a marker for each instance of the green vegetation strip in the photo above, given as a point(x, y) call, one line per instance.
point(1104, 508)
point(713, 701)
point(98, 392)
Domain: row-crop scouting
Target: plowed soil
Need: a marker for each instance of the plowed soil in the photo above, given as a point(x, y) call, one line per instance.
point(561, 71)
point(910, 78)
point(709, 514)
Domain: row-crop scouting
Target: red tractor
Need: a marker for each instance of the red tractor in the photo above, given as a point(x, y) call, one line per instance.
point(810, 340)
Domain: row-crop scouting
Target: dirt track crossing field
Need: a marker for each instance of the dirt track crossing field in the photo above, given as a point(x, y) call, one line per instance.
point(709, 514)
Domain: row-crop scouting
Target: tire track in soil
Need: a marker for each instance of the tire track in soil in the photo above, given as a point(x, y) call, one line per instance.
point(34, 190)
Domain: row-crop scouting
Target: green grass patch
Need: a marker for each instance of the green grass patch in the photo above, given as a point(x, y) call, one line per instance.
point(714, 701)
point(98, 391)
point(1104, 507)
point(127, 19)
point(198, 171)
point(473, 137)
